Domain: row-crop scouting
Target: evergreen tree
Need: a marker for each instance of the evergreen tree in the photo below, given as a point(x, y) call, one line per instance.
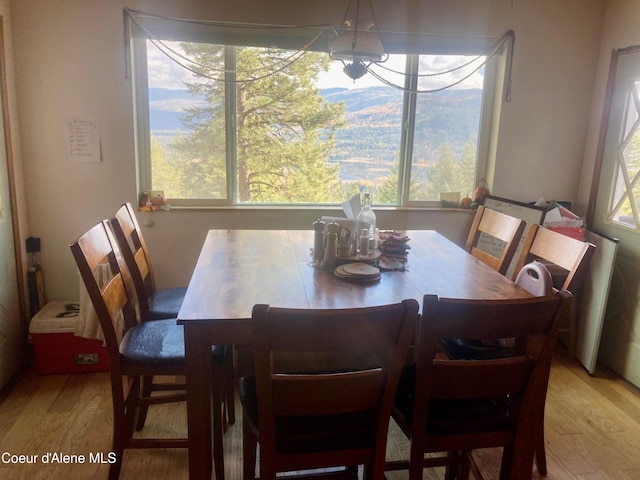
point(387, 193)
point(285, 130)
point(467, 169)
point(442, 176)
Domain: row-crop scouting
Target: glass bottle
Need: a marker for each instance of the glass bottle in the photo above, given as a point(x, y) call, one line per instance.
point(366, 221)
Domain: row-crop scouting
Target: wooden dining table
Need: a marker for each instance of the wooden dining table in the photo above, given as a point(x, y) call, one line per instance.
point(237, 269)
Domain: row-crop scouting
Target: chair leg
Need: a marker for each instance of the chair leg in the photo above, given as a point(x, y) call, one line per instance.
point(229, 382)
point(218, 421)
point(124, 417)
point(249, 451)
point(118, 449)
point(452, 471)
point(367, 472)
point(415, 467)
point(517, 459)
point(540, 455)
point(147, 387)
point(352, 472)
point(114, 469)
point(470, 464)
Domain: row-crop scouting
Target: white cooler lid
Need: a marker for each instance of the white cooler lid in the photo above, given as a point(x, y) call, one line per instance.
point(56, 317)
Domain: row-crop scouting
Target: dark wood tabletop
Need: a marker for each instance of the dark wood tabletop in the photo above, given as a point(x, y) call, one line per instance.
point(240, 268)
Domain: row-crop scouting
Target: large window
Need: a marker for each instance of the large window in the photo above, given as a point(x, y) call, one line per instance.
point(235, 122)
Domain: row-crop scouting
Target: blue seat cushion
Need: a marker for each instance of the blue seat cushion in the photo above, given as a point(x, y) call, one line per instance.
point(166, 303)
point(160, 341)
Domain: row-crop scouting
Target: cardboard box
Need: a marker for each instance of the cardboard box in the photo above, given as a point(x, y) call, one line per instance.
point(57, 349)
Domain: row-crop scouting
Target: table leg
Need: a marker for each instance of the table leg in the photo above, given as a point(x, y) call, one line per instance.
point(198, 379)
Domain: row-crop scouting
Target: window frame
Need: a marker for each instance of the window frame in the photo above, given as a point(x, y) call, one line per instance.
point(145, 27)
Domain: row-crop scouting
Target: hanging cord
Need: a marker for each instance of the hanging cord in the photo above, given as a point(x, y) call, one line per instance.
point(508, 38)
point(127, 43)
point(288, 61)
point(192, 66)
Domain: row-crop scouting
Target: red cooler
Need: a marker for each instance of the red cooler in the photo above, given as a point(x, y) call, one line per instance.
point(57, 349)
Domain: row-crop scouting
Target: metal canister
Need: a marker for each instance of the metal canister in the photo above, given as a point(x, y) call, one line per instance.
point(318, 241)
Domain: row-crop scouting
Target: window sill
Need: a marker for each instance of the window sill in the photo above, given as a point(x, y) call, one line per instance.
point(330, 209)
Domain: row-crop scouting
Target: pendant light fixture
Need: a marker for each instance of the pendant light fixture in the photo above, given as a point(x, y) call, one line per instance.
point(357, 44)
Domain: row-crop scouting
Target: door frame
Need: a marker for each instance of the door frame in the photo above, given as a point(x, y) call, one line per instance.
point(13, 204)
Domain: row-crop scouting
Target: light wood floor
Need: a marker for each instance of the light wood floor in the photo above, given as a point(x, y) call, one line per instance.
point(592, 430)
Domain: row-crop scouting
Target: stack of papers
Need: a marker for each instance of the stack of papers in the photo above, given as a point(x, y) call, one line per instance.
point(562, 220)
point(394, 248)
point(558, 216)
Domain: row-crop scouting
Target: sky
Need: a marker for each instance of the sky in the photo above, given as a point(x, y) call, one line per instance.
point(164, 73)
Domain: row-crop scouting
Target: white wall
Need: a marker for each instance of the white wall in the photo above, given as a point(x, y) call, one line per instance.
point(69, 58)
point(543, 129)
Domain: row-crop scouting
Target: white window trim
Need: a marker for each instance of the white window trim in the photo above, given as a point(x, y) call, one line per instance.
point(199, 31)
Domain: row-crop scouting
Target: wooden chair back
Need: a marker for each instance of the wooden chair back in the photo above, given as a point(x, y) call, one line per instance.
point(136, 256)
point(325, 382)
point(565, 252)
point(112, 302)
point(449, 394)
point(498, 225)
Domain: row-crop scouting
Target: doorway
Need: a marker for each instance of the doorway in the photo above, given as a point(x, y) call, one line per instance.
point(614, 210)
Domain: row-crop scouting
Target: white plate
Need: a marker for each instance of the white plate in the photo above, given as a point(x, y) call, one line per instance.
point(363, 269)
point(358, 277)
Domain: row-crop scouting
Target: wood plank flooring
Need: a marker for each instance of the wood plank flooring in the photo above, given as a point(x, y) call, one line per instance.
point(592, 431)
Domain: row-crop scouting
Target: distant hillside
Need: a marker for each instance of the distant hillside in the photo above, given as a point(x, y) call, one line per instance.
point(374, 123)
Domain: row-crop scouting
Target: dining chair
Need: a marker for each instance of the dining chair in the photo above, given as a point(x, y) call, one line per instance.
point(560, 252)
point(494, 226)
point(535, 278)
point(565, 257)
point(136, 349)
point(455, 406)
point(323, 387)
point(568, 258)
point(154, 303)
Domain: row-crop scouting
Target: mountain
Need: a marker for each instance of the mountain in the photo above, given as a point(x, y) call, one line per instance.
point(374, 118)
